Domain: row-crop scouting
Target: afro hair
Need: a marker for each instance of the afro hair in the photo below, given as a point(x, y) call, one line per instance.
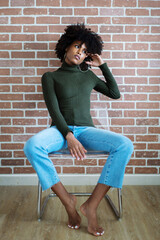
point(78, 32)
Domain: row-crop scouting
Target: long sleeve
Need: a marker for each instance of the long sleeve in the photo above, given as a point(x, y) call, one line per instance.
point(110, 87)
point(52, 103)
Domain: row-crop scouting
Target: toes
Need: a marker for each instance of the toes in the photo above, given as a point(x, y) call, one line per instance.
point(73, 227)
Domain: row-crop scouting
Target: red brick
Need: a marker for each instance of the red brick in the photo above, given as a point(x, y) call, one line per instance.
point(124, 72)
point(147, 138)
point(23, 170)
point(93, 170)
point(35, 11)
point(99, 20)
point(153, 162)
point(155, 12)
point(12, 162)
point(10, 11)
point(4, 71)
point(9, 97)
point(155, 63)
point(10, 146)
point(34, 96)
point(123, 55)
point(5, 121)
point(137, 12)
point(60, 11)
point(10, 63)
point(9, 80)
point(11, 46)
point(22, 3)
point(100, 3)
point(145, 170)
point(86, 162)
point(52, 3)
point(148, 55)
point(147, 154)
point(4, 20)
point(147, 105)
point(4, 54)
point(154, 113)
point(66, 161)
point(154, 97)
point(155, 29)
point(152, 4)
point(5, 105)
point(111, 11)
point(135, 97)
point(35, 63)
point(5, 138)
point(148, 72)
point(38, 113)
point(86, 11)
point(124, 20)
point(137, 29)
point(72, 20)
point(5, 88)
point(135, 80)
point(5, 154)
point(124, 3)
point(137, 162)
point(129, 170)
point(155, 130)
point(23, 71)
point(21, 38)
point(10, 29)
point(111, 29)
point(148, 38)
point(148, 88)
point(48, 37)
point(135, 130)
point(154, 146)
point(12, 113)
point(147, 121)
point(4, 3)
point(48, 20)
point(120, 121)
point(24, 122)
point(34, 129)
point(73, 3)
point(35, 29)
point(12, 130)
point(5, 170)
point(24, 105)
point(22, 20)
point(136, 63)
point(18, 154)
point(73, 170)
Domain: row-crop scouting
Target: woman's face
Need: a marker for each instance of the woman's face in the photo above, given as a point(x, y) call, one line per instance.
point(76, 53)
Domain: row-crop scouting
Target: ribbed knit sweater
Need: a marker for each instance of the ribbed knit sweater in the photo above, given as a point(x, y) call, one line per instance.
point(67, 93)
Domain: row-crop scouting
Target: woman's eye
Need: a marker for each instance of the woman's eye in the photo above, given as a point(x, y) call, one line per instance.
point(77, 46)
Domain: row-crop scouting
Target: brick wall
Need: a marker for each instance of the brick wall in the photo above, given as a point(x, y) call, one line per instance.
point(29, 30)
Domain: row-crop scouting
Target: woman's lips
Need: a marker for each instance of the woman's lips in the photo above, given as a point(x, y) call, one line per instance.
point(77, 57)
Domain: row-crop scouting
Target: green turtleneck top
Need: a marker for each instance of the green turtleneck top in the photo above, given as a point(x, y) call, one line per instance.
point(67, 94)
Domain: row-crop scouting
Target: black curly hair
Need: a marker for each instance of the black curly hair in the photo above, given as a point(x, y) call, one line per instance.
point(78, 32)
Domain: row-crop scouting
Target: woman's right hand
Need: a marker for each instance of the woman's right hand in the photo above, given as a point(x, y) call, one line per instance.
point(75, 147)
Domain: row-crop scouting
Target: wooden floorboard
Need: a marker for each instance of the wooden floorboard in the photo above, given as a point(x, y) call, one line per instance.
point(18, 219)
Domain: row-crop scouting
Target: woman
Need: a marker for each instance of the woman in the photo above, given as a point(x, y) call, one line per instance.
point(67, 95)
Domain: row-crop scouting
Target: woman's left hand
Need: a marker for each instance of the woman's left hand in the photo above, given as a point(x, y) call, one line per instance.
point(96, 60)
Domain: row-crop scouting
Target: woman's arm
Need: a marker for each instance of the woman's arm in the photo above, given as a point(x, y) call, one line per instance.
point(108, 88)
point(52, 103)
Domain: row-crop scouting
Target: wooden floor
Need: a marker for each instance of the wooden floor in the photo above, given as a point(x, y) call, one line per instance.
point(18, 219)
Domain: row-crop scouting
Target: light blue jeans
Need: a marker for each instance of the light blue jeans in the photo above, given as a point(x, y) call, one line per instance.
point(119, 147)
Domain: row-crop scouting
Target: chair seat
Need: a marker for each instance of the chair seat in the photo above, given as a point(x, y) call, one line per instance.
point(89, 152)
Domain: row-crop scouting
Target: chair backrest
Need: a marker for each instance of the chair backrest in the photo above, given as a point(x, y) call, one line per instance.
point(99, 116)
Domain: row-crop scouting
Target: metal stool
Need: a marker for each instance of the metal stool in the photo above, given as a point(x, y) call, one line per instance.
point(99, 122)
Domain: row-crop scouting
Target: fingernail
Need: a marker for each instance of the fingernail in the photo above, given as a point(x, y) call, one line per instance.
point(98, 233)
point(76, 227)
point(72, 227)
point(69, 226)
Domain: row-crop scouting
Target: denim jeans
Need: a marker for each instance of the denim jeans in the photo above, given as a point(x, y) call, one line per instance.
point(119, 147)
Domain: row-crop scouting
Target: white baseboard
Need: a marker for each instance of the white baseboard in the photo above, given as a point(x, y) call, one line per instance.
point(78, 179)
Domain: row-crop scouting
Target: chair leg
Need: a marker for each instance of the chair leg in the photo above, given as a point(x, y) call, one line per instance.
point(120, 212)
point(39, 201)
point(41, 207)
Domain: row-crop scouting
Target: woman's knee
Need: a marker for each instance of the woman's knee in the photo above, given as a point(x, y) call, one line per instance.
point(128, 145)
point(30, 146)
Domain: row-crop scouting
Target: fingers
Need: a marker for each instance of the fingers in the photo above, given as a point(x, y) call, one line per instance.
point(79, 152)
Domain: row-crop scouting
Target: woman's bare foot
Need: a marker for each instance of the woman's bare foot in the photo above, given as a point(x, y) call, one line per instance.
point(90, 213)
point(74, 218)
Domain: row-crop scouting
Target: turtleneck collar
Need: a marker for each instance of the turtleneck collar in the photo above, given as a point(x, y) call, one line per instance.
point(67, 67)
